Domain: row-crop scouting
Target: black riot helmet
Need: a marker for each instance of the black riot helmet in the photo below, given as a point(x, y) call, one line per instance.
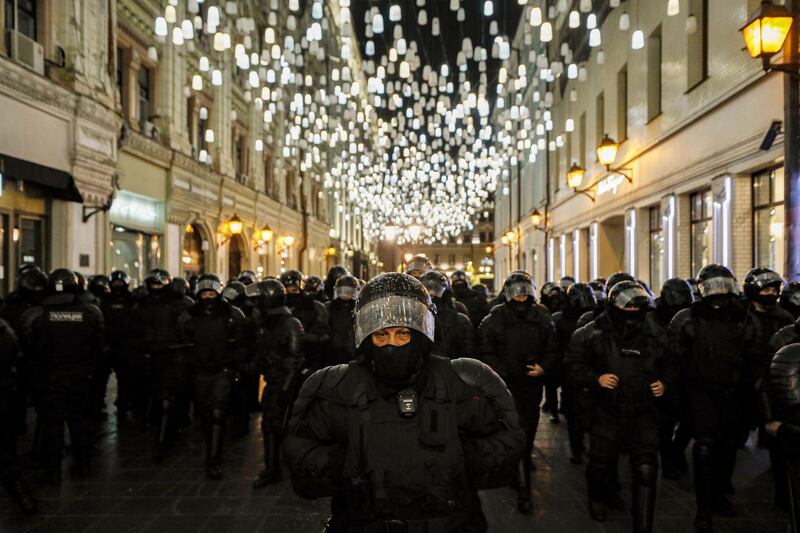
point(629, 294)
point(394, 300)
point(599, 288)
point(119, 280)
point(716, 280)
point(616, 277)
point(234, 292)
point(180, 286)
point(347, 288)
point(790, 298)
point(677, 293)
point(157, 276)
point(63, 280)
point(482, 290)
point(565, 282)
point(517, 283)
point(436, 283)
point(248, 277)
point(459, 277)
point(99, 285)
point(313, 285)
point(292, 278)
point(24, 267)
point(335, 272)
point(784, 373)
point(580, 297)
point(273, 293)
point(759, 279)
point(418, 265)
point(549, 287)
point(208, 282)
point(32, 283)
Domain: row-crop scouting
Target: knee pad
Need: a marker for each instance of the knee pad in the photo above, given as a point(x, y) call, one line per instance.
point(218, 416)
point(645, 474)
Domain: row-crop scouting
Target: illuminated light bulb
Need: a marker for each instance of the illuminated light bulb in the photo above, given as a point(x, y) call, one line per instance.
point(177, 37)
point(316, 10)
point(572, 71)
point(294, 5)
point(488, 8)
point(212, 18)
point(691, 24)
point(369, 48)
point(203, 113)
point(595, 38)
point(209, 136)
point(591, 21)
point(536, 16)
point(435, 26)
point(197, 82)
point(624, 21)
point(253, 79)
point(585, 6)
point(377, 24)
point(160, 28)
point(454, 5)
point(170, 15)
point(395, 14)
point(673, 7)
point(422, 17)
point(546, 32)
point(216, 78)
point(637, 40)
point(204, 64)
point(269, 36)
point(152, 54)
point(187, 29)
point(574, 19)
point(461, 15)
point(569, 126)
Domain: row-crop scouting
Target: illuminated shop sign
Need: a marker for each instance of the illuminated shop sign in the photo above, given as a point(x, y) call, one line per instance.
point(610, 184)
point(138, 212)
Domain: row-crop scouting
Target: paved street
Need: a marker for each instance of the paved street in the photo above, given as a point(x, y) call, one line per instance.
point(127, 493)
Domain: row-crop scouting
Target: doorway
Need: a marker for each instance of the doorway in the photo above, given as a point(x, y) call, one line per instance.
point(611, 245)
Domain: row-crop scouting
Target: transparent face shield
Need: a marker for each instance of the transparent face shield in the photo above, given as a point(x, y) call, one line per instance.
point(768, 279)
point(208, 285)
point(418, 266)
point(518, 288)
point(633, 297)
point(393, 311)
point(252, 290)
point(434, 289)
point(230, 294)
point(343, 292)
point(719, 285)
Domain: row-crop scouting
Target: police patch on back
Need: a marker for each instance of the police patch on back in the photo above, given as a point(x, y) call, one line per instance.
point(65, 316)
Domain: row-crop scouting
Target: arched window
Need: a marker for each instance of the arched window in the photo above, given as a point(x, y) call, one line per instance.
point(194, 255)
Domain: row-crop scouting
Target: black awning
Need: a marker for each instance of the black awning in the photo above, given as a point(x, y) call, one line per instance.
point(60, 184)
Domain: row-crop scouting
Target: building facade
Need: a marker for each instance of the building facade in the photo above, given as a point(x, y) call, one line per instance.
point(691, 182)
point(117, 152)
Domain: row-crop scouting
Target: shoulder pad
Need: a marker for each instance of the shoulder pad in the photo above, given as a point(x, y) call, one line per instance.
point(681, 318)
point(237, 313)
point(323, 381)
point(558, 315)
point(585, 318)
point(480, 375)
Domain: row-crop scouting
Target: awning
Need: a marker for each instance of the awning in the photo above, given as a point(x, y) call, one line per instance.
point(60, 184)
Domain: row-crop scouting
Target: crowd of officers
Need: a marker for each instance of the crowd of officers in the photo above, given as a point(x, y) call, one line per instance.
point(376, 395)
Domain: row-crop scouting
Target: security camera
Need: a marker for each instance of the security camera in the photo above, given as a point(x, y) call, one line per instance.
point(772, 133)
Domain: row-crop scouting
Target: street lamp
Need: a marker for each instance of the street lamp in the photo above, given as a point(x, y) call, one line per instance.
point(607, 151)
point(266, 233)
point(288, 241)
point(235, 225)
point(768, 30)
point(574, 177)
point(536, 218)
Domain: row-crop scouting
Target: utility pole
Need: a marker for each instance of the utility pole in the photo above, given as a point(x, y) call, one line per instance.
point(791, 160)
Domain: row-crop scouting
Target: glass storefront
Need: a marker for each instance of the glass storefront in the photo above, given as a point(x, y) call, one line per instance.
point(656, 249)
point(134, 252)
point(768, 221)
point(701, 229)
point(193, 256)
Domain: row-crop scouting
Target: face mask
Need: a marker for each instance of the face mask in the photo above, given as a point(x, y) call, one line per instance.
point(208, 303)
point(395, 362)
point(718, 301)
point(627, 318)
point(520, 308)
point(292, 299)
point(769, 301)
point(460, 288)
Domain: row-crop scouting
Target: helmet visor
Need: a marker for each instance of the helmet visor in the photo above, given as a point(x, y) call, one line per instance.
point(518, 288)
point(718, 285)
point(393, 311)
point(633, 297)
point(434, 288)
point(345, 292)
point(230, 294)
point(767, 279)
point(208, 285)
point(252, 290)
point(422, 266)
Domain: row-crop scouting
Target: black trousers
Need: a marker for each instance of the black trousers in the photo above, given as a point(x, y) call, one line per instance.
point(65, 399)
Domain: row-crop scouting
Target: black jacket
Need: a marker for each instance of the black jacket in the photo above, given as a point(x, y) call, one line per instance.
point(154, 323)
point(341, 321)
point(316, 333)
point(454, 333)
point(477, 306)
point(9, 357)
point(117, 307)
point(279, 347)
point(212, 337)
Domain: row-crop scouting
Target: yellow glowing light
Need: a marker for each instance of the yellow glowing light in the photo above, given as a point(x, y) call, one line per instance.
point(607, 151)
point(288, 240)
point(235, 225)
point(266, 233)
point(766, 30)
point(408, 257)
point(574, 177)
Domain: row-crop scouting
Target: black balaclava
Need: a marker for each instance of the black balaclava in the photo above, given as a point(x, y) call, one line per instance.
point(768, 301)
point(293, 299)
point(460, 289)
point(208, 304)
point(398, 366)
point(520, 308)
point(718, 301)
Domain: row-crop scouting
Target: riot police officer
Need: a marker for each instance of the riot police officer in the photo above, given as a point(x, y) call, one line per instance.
point(401, 438)
point(10, 471)
point(790, 299)
point(418, 265)
point(454, 331)
point(601, 294)
point(477, 305)
point(316, 288)
point(311, 313)
point(580, 299)
point(64, 337)
point(676, 295)
point(553, 297)
point(30, 289)
point(161, 378)
point(117, 307)
point(280, 360)
point(714, 342)
point(623, 358)
point(341, 321)
point(785, 423)
point(518, 340)
point(247, 278)
point(211, 331)
point(335, 272)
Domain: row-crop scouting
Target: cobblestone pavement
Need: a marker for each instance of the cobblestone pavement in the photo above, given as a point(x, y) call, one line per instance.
point(128, 493)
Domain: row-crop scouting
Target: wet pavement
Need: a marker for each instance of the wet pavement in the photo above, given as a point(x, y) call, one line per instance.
point(128, 493)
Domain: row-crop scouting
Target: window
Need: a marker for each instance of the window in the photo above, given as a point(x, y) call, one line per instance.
point(291, 199)
point(144, 79)
point(701, 245)
point(654, 74)
point(768, 219)
point(269, 174)
point(600, 116)
point(239, 149)
point(25, 19)
point(194, 255)
point(656, 248)
point(622, 104)
point(582, 140)
point(697, 59)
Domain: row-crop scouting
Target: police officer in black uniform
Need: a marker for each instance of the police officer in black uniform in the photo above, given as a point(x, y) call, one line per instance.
point(454, 331)
point(211, 331)
point(117, 307)
point(713, 340)
point(280, 360)
point(335, 272)
point(99, 287)
point(244, 391)
point(790, 299)
point(784, 389)
point(316, 288)
point(64, 338)
point(10, 469)
point(30, 289)
point(402, 439)
point(623, 359)
point(518, 340)
point(341, 320)
point(418, 265)
point(311, 313)
point(247, 278)
point(580, 299)
point(553, 297)
point(161, 378)
point(477, 305)
point(602, 297)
